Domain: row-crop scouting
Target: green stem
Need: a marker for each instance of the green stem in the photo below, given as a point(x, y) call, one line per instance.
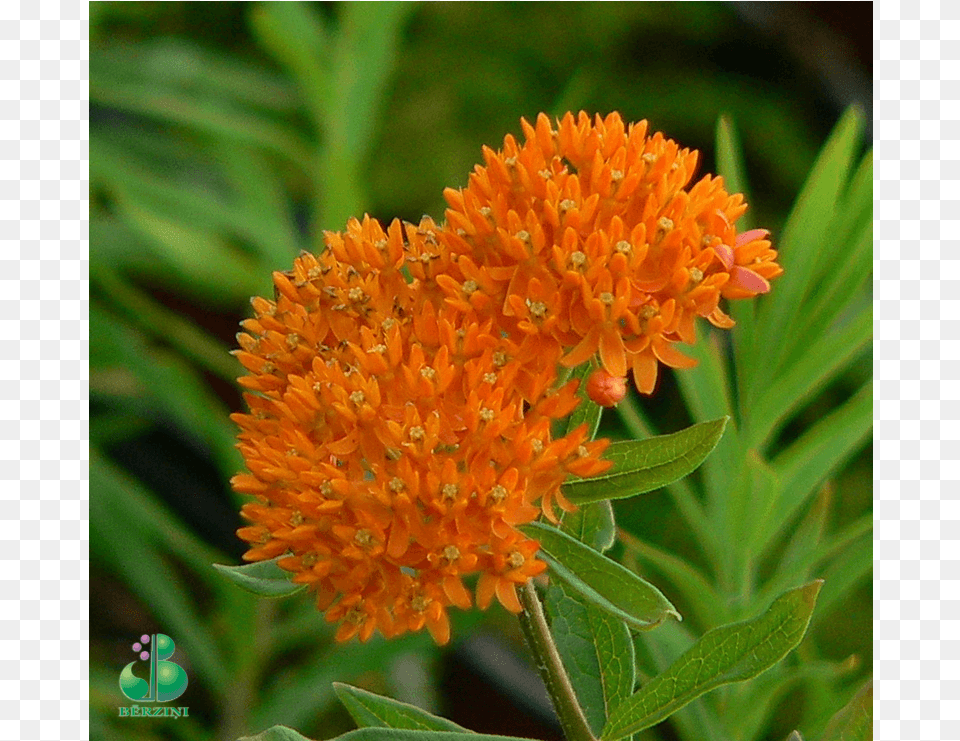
point(537, 633)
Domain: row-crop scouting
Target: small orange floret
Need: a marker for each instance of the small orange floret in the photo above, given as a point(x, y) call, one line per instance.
point(402, 383)
point(605, 389)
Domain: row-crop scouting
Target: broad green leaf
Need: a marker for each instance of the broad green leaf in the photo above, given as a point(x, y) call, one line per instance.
point(592, 524)
point(595, 647)
point(264, 578)
point(730, 653)
point(853, 722)
point(656, 650)
point(276, 733)
point(370, 710)
point(596, 650)
point(645, 465)
point(398, 734)
point(601, 581)
point(587, 412)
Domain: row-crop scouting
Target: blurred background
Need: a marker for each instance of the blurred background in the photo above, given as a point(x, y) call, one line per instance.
point(224, 138)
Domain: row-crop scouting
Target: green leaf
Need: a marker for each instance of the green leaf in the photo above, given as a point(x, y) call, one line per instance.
point(827, 356)
point(596, 650)
point(133, 535)
point(640, 466)
point(297, 37)
point(592, 524)
point(595, 647)
point(730, 164)
point(398, 734)
point(239, 125)
point(853, 722)
point(730, 653)
point(700, 594)
point(803, 243)
point(277, 733)
point(370, 710)
point(680, 491)
point(601, 581)
point(263, 578)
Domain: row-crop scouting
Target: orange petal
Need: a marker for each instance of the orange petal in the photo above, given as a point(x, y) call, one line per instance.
point(612, 354)
point(645, 372)
point(507, 594)
point(668, 355)
point(486, 587)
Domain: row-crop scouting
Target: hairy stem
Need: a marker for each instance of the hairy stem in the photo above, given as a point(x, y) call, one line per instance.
point(537, 633)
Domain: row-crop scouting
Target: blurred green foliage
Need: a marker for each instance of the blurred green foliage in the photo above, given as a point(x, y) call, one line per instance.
point(224, 137)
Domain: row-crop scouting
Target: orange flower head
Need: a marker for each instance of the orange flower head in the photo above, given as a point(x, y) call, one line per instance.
point(593, 241)
point(395, 439)
point(402, 383)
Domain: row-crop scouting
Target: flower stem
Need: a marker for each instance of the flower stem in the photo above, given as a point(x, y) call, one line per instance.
point(537, 633)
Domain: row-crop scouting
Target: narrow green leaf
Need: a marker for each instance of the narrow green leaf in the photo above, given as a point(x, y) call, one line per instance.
point(276, 733)
point(371, 710)
point(700, 594)
point(165, 324)
point(196, 260)
point(296, 36)
point(802, 247)
point(826, 357)
point(840, 289)
point(730, 653)
point(853, 722)
point(592, 524)
point(829, 443)
point(645, 465)
point(596, 650)
point(263, 578)
point(820, 451)
point(730, 165)
point(847, 571)
point(133, 536)
point(601, 581)
point(209, 117)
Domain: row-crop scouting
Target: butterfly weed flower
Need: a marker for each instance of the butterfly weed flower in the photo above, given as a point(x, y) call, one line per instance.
point(390, 450)
point(402, 383)
point(594, 243)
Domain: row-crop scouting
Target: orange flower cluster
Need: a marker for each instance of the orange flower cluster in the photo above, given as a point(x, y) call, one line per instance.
point(586, 241)
point(403, 384)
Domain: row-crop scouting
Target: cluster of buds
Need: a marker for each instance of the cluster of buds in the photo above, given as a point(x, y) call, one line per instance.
point(403, 384)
